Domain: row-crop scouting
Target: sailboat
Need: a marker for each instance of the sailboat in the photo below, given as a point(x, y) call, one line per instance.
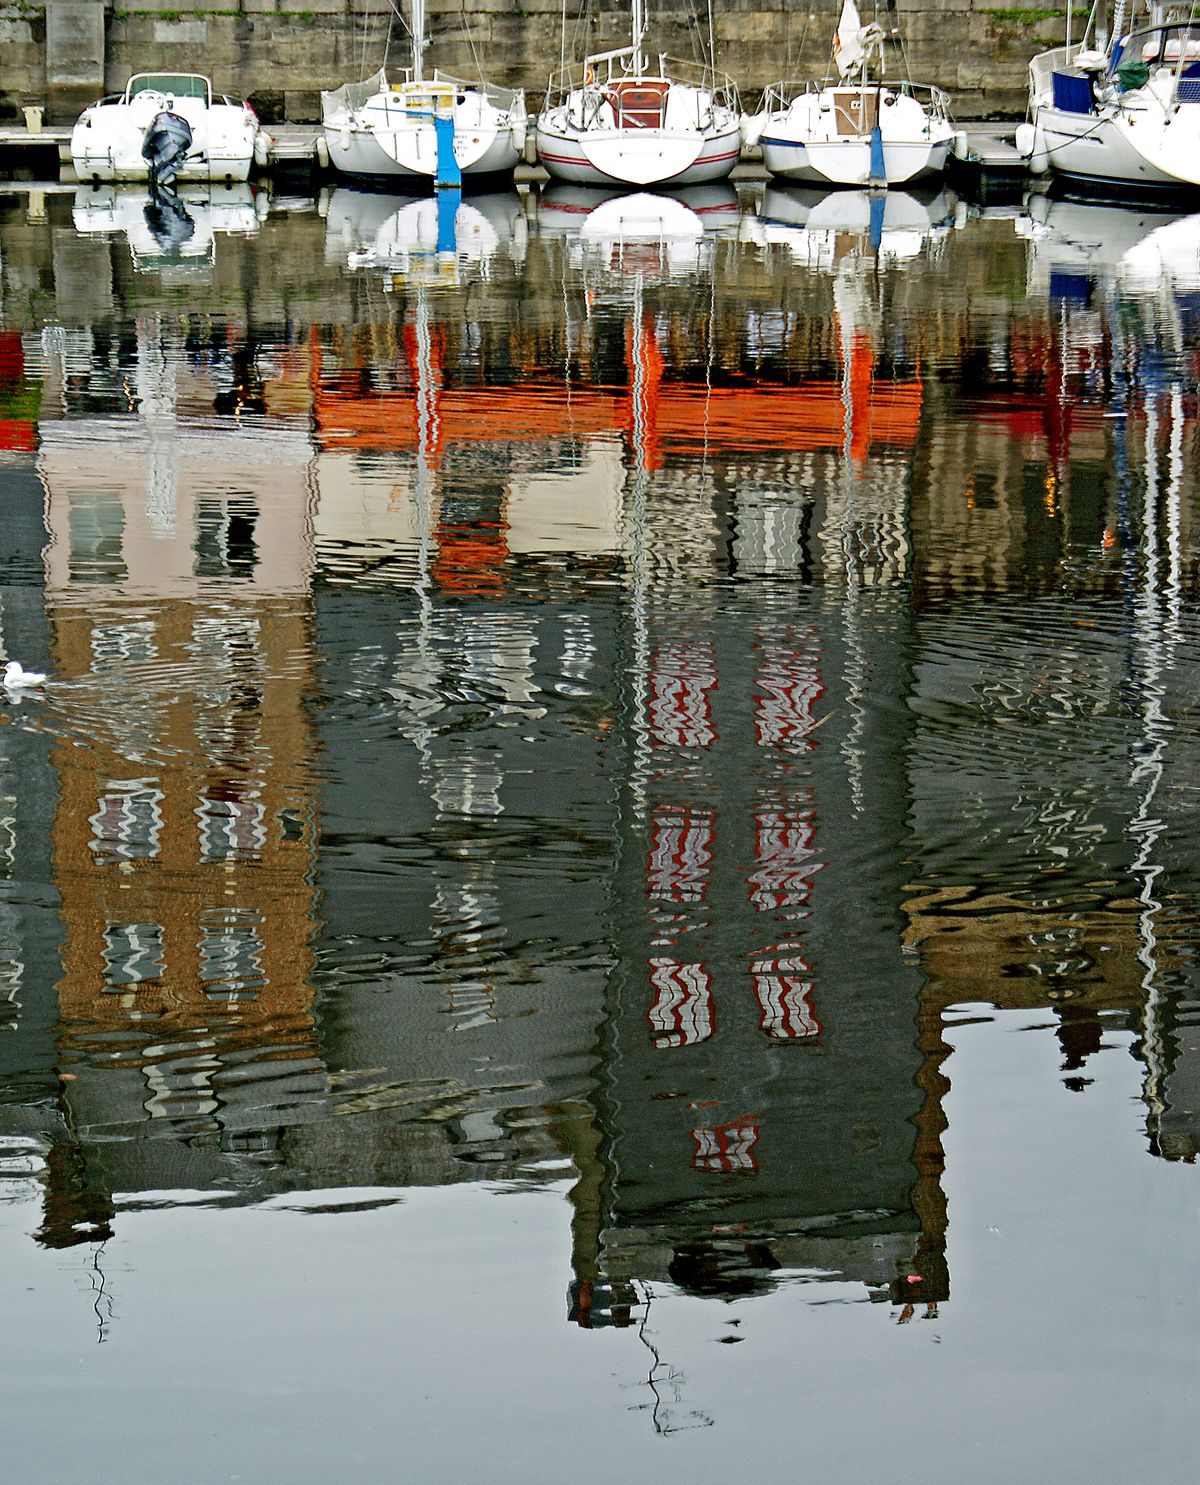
point(434, 130)
point(623, 117)
point(865, 129)
point(1123, 115)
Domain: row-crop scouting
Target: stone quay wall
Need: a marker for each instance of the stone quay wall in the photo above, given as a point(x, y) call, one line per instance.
point(282, 53)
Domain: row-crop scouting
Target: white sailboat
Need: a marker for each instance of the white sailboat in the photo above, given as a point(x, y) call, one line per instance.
point(622, 117)
point(864, 129)
point(430, 130)
point(1123, 114)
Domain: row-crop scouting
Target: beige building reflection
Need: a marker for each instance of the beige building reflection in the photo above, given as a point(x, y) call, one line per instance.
point(177, 591)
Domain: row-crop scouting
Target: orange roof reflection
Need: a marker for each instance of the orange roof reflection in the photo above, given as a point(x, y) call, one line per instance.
point(689, 416)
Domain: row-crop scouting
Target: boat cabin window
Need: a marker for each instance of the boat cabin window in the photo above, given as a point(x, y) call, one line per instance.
point(177, 84)
point(639, 103)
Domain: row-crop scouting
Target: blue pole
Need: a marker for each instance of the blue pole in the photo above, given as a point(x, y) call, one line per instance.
point(448, 173)
point(878, 169)
point(878, 206)
point(447, 218)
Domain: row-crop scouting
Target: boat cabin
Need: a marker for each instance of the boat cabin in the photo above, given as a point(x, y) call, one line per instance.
point(639, 102)
point(855, 110)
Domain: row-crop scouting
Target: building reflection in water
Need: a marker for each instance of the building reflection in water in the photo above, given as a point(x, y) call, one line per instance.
point(685, 599)
point(177, 591)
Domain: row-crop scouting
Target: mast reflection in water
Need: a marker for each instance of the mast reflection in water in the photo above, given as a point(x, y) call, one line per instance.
point(590, 701)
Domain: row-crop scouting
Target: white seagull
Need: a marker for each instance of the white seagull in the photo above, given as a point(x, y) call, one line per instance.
point(17, 678)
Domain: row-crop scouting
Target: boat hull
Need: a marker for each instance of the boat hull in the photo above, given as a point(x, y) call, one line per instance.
point(841, 136)
point(652, 157)
point(108, 138)
point(1139, 148)
point(847, 162)
point(363, 155)
point(392, 138)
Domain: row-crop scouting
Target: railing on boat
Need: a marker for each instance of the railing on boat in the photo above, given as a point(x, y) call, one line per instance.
point(606, 70)
point(351, 97)
point(782, 95)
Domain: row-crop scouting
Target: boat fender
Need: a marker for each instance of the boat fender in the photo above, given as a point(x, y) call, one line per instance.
point(345, 139)
point(751, 126)
point(1030, 140)
point(529, 152)
point(960, 145)
point(262, 149)
point(322, 152)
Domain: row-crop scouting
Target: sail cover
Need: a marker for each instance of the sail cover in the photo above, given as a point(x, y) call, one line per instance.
point(848, 49)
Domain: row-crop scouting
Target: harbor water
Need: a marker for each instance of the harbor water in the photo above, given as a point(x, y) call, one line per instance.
point(604, 879)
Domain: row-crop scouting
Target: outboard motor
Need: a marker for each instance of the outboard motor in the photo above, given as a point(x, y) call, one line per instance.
point(167, 218)
point(165, 146)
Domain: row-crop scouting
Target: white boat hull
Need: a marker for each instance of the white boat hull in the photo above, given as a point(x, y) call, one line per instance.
point(387, 140)
point(649, 157)
point(106, 142)
point(847, 162)
point(1123, 147)
point(823, 137)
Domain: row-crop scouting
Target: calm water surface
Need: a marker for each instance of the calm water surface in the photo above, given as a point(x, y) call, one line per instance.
point(605, 881)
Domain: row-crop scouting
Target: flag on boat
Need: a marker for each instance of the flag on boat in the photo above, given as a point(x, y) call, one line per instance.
point(848, 49)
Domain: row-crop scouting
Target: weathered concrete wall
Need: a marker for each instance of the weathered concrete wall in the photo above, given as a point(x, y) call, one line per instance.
point(283, 52)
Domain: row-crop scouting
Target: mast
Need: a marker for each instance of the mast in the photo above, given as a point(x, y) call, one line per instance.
point(639, 34)
point(418, 40)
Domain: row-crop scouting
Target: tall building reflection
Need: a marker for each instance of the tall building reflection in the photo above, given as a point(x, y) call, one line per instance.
point(177, 581)
point(600, 692)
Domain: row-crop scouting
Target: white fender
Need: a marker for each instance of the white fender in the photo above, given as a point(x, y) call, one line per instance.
point(751, 127)
point(262, 149)
point(1030, 141)
point(322, 152)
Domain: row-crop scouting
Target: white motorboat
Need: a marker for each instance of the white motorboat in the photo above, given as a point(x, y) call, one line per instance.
point(206, 138)
point(864, 129)
point(624, 118)
point(427, 131)
point(1123, 115)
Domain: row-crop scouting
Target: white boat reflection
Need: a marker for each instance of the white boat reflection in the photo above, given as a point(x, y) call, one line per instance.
point(1075, 242)
point(814, 225)
point(170, 228)
point(667, 235)
point(426, 238)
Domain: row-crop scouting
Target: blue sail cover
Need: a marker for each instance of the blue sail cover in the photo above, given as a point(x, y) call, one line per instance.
point(1072, 91)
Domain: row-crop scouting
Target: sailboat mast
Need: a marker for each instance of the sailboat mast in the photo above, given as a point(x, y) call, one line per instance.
point(639, 34)
point(418, 40)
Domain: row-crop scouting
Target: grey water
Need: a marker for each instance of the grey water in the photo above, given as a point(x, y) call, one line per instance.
point(605, 879)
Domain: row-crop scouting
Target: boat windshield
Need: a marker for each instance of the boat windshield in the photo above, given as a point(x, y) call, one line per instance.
point(1165, 46)
point(178, 84)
